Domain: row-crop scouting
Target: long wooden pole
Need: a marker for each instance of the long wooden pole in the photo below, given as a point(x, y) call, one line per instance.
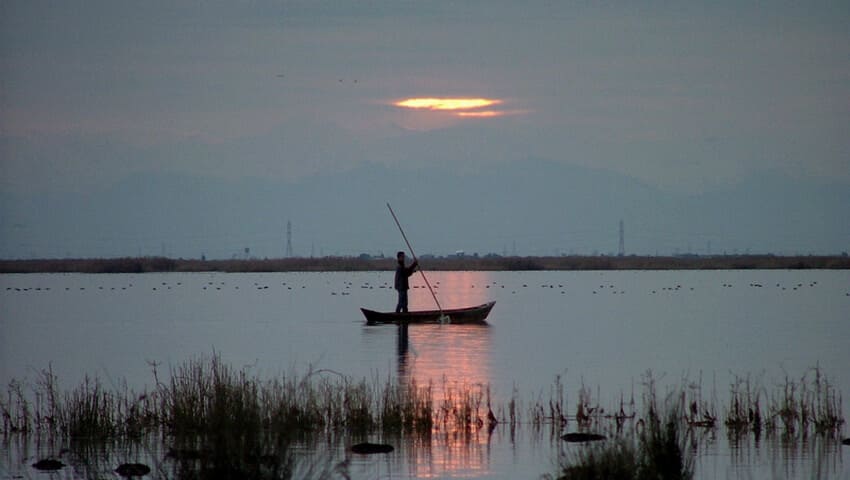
point(412, 253)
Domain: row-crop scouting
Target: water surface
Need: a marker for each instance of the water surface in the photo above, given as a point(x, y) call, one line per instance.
point(603, 330)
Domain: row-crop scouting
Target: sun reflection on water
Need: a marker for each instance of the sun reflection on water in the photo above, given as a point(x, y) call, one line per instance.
point(455, 360)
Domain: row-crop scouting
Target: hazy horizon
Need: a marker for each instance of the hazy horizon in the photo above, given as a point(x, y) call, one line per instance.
point(566, 210)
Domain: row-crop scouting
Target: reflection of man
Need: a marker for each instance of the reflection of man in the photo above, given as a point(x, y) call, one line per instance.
point(402, 350)
point(401, 283)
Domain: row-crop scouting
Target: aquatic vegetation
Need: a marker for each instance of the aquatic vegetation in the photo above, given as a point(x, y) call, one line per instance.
point(663, 449)
point(585, 409)
point(795, 407)
point(460, 407)
point(17, 413)
point(659, 452)
point(216, 420)
point(204, 395)
point(826, 406)
point(744, 410)
point(657, 448)
point(616, 460)
point(406, 408)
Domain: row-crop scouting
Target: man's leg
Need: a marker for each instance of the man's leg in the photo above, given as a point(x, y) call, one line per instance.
point(402, 301)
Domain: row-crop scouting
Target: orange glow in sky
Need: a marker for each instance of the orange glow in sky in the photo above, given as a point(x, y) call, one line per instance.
point(480, 114)
point(433, 103)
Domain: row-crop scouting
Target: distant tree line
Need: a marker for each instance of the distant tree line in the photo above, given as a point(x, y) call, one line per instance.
point(452, 263)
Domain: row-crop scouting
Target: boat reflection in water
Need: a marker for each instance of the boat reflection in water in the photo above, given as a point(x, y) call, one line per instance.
point(455, 361)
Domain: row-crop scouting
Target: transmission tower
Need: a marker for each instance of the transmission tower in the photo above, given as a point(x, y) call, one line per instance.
point(622, 240)
point(288, 238)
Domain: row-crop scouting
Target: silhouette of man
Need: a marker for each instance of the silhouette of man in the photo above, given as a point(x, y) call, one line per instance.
point(401, 283)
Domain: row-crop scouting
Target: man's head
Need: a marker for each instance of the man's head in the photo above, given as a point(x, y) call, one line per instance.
point(400, 257)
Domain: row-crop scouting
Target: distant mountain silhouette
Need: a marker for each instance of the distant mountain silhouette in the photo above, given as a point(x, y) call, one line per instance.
point(533, 207)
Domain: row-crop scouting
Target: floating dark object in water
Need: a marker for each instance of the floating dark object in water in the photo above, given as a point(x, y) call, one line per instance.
point(846, 441)
point(132, 469)
point(48, 464)
point(582, 437)
point(368, 448)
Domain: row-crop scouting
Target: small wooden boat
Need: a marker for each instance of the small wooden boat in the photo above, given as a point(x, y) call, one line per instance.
point(458, 315)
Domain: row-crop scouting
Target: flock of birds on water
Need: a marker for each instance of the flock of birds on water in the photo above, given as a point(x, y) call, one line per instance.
point(346, 289)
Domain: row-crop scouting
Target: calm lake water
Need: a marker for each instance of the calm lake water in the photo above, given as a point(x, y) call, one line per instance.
point(603, 330)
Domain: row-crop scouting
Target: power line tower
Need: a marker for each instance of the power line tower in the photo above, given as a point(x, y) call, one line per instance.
point(288, 238)
point(622, 240)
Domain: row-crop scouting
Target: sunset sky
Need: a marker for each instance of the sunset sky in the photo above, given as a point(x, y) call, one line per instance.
point(686, 97)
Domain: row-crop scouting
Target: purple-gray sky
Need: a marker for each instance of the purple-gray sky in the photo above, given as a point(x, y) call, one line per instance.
point(686, 97)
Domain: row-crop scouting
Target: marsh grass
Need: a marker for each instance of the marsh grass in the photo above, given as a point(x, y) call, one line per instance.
point(745, 405)
point(407, 408)
point(207, 396)
point(793, 408)
point(91, 411)
point(17, 412)
point(586, 409)
point(658, 447)
point(461, 407)
point(698, 411)
point(826, 409)
point(204, 396)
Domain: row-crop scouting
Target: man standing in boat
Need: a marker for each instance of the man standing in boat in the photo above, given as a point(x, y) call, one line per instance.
point(401, 284)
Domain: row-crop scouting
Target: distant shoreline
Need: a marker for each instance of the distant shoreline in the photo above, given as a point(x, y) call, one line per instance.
point(469, 263)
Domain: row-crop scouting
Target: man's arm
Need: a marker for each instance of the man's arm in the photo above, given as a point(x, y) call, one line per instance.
point(412, 269)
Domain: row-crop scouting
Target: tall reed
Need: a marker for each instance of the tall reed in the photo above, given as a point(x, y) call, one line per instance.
point(794, 407)
point(460, 407)
point(16, 410)
point(407, 408)
point(744, 411)
point(205, 395)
